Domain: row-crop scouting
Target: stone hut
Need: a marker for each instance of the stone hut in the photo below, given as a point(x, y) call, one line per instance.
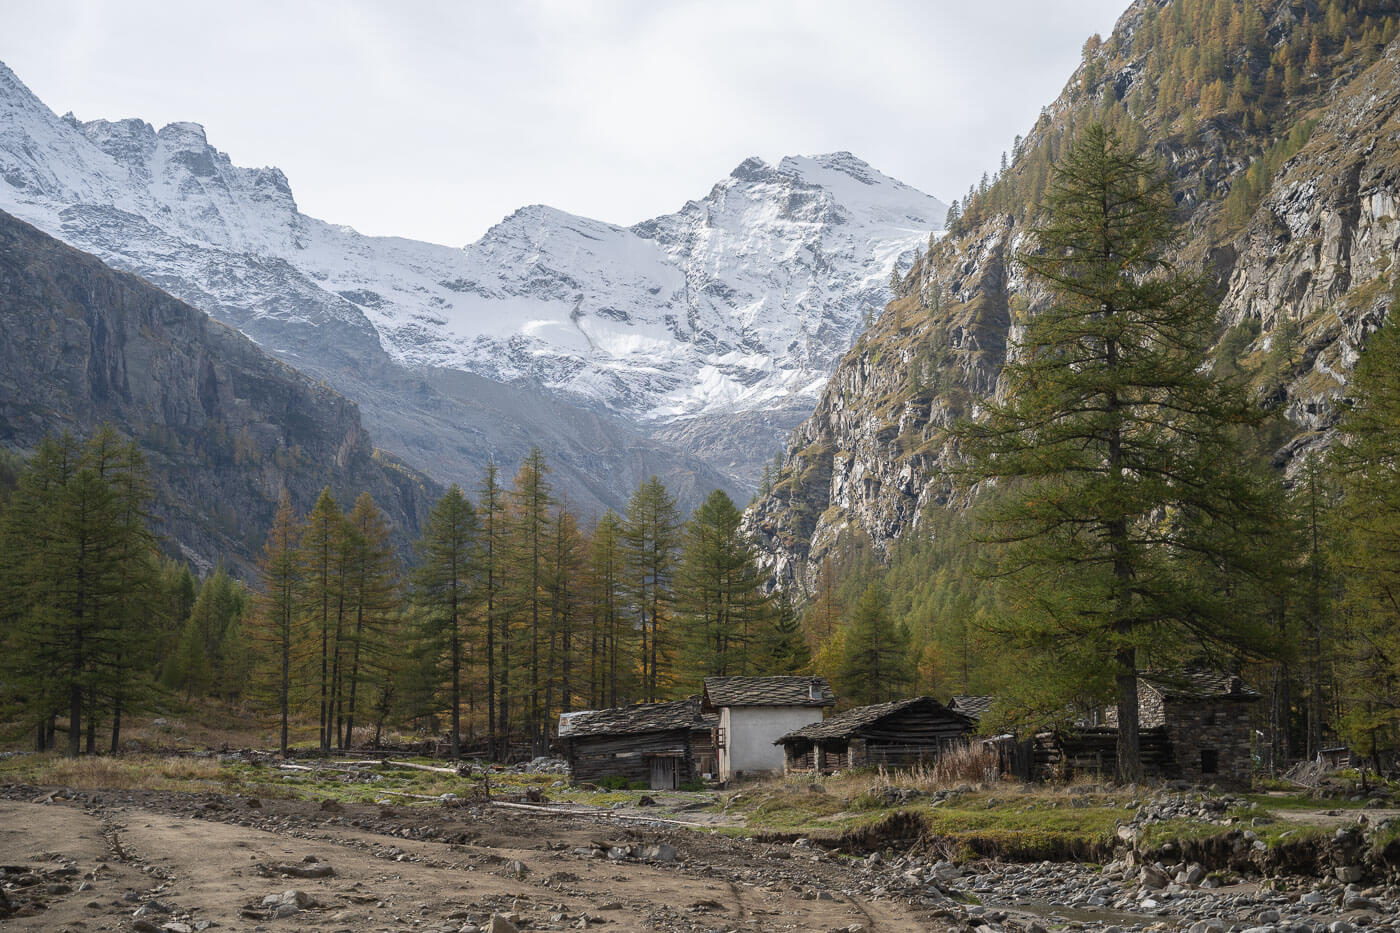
point(896, 734)
point(754, 712)
point(664, 744)
point(1206, 716)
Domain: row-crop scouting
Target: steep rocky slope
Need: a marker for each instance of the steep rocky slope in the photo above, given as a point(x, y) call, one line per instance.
point(224, 426)
point(1300, 254)
point(737, 304)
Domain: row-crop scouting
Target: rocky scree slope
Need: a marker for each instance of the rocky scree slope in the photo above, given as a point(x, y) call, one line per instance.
point(736, 305)
point(224, 427)
point(1302, 279)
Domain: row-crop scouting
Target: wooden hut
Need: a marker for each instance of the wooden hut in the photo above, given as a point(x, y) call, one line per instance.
point(897, 734)
point(664, 744)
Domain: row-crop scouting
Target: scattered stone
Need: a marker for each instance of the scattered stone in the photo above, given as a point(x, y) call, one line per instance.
point(303, 870)
point(661, 852)
point(288, 902)
point(1153, 877)
point(500, 924)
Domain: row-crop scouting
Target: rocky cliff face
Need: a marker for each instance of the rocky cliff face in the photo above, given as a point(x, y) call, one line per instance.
point(1302, 281)
point(224, 426)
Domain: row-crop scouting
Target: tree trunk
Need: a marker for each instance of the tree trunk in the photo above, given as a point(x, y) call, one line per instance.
point(75, 720)
point(456, 689)
point(1129, 765)
point(286, 678)
point(116, 724)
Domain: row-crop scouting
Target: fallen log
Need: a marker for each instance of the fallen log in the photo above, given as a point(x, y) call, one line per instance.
point(417, 767)
point(607, 814)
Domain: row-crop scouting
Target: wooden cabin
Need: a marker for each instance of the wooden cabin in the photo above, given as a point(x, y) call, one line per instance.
point(896, 734)
point(664, 744)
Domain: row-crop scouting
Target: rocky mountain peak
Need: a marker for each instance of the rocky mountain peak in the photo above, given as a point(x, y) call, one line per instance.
point(737, 304)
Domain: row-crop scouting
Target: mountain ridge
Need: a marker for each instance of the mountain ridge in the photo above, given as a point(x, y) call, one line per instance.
point(738, 302)
point(224, 426)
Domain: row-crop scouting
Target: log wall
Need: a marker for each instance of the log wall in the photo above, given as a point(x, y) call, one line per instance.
point(592, 758)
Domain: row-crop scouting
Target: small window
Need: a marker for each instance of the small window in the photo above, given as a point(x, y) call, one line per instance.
point(814, 691)
point(1210, 761)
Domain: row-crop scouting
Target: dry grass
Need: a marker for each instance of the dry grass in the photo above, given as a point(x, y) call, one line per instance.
point(137, 772)
point(957, 767)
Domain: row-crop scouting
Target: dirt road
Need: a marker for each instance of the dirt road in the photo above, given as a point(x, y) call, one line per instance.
point(159, 861)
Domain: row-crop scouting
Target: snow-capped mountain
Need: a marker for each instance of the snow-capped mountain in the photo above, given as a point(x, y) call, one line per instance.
point(738, 303)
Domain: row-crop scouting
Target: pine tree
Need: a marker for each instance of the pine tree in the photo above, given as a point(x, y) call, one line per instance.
point(209, 654)
point(1126, 506)
point(447, 588)
point(782, 649)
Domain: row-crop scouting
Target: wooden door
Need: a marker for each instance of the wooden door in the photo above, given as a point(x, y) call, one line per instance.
point(663, 774)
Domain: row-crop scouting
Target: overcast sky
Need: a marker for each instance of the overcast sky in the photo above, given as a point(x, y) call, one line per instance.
point(434, 120)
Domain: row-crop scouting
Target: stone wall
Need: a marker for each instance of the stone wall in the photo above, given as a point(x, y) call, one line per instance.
point(1210, 739)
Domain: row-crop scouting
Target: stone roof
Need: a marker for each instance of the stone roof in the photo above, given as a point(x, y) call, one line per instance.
point(972, 705)
point(844, 725)
point(636, 719)
point(1199, 684)
point(767, 691)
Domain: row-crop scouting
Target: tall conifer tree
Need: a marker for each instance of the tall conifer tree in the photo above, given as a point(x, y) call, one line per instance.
point(277, 634)
point(1127, 507)
point(650, 537)
point(447, 589)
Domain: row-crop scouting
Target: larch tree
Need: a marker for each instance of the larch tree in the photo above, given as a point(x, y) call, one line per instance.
point(720, 604)
point(612, 662)
point(324, 597)
point(447, 589)
point(530, 499)
point(650, 535)
point(1125, 507)
point(78, 577)
point(876, 663)
point(564, 559)
point(277, 630)
point(491, 512)
point(372, 598)
point(1365, 463)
